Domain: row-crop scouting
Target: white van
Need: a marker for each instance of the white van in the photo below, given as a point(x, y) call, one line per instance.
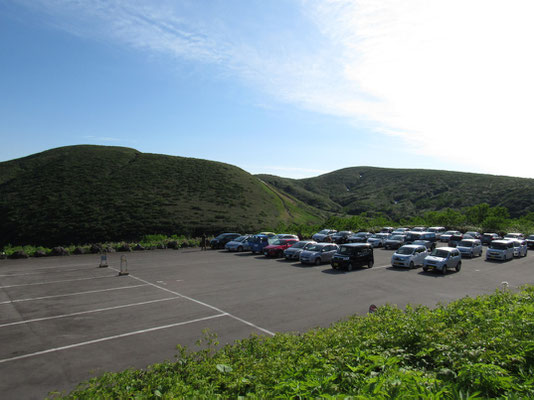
point(500, 250)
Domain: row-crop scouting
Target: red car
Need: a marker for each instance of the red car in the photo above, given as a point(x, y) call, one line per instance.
point(277, 247)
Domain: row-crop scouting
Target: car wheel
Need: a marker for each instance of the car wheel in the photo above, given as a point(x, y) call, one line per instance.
point(370, 264)
point(333, 267)
point(458, 266)
point(444, 270)
point(425, 268)
point(412, 265)
point(317, 261)
point(240, 249)
point(349, 267)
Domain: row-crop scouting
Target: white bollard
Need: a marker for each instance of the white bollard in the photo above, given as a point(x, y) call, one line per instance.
point(103, 261)
point(124, 266)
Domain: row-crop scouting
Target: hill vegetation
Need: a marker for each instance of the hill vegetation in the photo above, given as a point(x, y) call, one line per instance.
point(82, 194)
point(473, 348)
point(404, 193)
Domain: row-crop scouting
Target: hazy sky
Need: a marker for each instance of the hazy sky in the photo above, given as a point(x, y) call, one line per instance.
point(295, 88)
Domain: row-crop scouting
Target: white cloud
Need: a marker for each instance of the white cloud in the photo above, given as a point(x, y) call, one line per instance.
point(453, 78)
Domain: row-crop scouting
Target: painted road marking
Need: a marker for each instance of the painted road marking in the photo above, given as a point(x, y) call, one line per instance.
point(72, 346)
point(201, 303)
point(62, 281)
point(72, 294)
point(86, 312)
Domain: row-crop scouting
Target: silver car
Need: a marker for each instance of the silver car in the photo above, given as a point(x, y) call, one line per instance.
point(293, 252)
point(443, 258)
point(470, 247)
point(318, 253)
point(238, 244)
point(324, 236)
point(520, 247)
point(409, 256)
point(378, 239)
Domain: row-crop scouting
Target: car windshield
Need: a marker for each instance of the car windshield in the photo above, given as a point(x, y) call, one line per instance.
point(277, 242)
point(450, 233)
point(348, 250)
point(314, 247)
point(240, 238)
point(498, 246)
point(531, 237)
point(406, 250)
point(396, 237)
point(439, 253)
point(465, 243)
point(300, 245)
point(324, 232)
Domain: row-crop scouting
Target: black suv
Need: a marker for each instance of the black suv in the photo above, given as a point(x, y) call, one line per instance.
point(222, 239)
point(352, 255)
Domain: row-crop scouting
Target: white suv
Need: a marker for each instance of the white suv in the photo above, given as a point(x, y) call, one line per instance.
point(500, 250)
point(443, 258)
point(409, 256)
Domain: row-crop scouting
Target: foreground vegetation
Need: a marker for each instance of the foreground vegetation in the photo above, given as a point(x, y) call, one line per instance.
point(472, 348)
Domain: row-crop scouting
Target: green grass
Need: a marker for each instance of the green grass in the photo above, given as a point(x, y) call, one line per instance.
point(404, 193)
point(88, 194)
point(472, 348)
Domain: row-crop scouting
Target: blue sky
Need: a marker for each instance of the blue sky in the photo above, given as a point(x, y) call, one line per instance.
point(294, 88)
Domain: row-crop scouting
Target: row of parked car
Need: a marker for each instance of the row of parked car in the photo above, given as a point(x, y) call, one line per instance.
point(415, 247)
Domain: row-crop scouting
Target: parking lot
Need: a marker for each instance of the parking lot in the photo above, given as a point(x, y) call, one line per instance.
point(64, 320)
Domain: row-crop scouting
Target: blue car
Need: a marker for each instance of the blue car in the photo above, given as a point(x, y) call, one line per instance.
point(258, 242)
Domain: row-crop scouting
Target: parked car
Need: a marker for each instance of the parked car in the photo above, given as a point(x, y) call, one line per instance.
point(520, 247)
point(277, 247)
point(400, 231)
point(427, 243)
point(487, 238)
point(514, 235)
point(438, 230)
point(324, 236)
point(419, 229)
point(238, 244)
point(442, 259)
point(387, 229)
point(412, 236)
point(500, 250)
point(258, 243)
point(360, 237)
point(220, 241)
point(378, 239)
point(470, 247)
point(318, 253)
point(268, 234)
point(394, 241)
point(445, 236)
point(472, 235)
point(285, 236)
point(530, 241)
point(409, 256)
point(341, 236)
point(455, 239)
point(352, 255)
point(293, 252)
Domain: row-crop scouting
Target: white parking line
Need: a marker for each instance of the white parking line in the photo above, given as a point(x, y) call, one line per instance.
point(71, 346)
point(50, 282)
point(41, 273)
point(86, 312)
point(201, 303)
point(72, 294)
point(95, 264)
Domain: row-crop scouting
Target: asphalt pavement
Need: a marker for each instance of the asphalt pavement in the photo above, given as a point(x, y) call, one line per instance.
point(64, 320)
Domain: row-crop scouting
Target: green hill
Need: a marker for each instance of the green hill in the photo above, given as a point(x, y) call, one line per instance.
point(81, 194)
point(401, 193)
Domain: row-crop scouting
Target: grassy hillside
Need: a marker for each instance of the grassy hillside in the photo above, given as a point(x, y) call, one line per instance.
point(402, 193)
point(82, 194)
point(470, 349)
